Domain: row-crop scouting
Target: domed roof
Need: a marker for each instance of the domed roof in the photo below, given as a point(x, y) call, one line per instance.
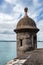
point(26, 22)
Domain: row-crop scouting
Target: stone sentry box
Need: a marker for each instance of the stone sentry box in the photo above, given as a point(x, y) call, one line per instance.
point(26, 35)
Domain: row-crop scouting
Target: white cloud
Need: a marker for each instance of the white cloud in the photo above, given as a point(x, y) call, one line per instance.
point(4, 16)
point(40, 33)
point(8, 22)
point(12, 2)
point(7, 37)
point(7, 28)
point(36, 3)
point(9, 1)
point(18, 8)
point(17, 11)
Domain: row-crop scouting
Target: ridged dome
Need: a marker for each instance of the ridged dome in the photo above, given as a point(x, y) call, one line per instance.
point(26, 22)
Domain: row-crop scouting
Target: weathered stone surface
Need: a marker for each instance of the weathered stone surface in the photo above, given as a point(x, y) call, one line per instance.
point(26, 30)
point(36, 57)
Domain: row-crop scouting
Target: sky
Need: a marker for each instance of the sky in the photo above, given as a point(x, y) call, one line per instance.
point(11, 11)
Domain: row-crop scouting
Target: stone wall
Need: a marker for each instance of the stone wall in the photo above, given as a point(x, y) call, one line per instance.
point(25, 42)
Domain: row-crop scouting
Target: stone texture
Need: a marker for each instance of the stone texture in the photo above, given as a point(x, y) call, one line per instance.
point(36, 58)
point(26, 30)
point(26, 22)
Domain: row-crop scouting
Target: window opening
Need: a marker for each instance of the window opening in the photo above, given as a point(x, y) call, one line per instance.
point(20, 42)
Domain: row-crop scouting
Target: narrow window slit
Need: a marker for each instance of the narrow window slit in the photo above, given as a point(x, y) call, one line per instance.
point(20, 42)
